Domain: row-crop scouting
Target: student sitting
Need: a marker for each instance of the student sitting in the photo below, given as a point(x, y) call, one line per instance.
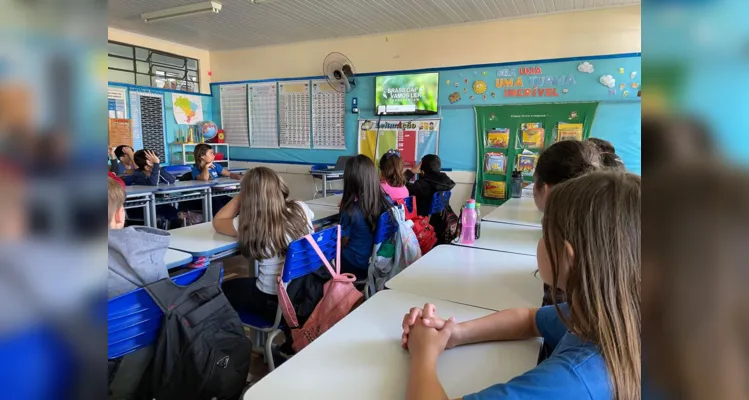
point(116, 178)
point(362, 204)
point(205, 169)
point(595, 337)
point(149, 171)
point(392, 180)
point(121, 160)
point(264, 221)
point(430, 180)
point(136, 253)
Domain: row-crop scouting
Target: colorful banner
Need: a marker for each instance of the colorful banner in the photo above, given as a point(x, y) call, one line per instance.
point(413, 139)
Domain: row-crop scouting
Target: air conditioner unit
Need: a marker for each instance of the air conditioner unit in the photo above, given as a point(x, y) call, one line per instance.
point(182, 11)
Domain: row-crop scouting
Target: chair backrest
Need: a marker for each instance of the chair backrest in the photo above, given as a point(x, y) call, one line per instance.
point(301, 258)
point(438, 204)
point(134, 320)
point(386, 228)
point(408, 201)
point(177, 170)
point(340, 164)
point(319, 167)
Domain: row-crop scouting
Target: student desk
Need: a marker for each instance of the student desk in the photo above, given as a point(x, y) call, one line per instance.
point(506, 238)
point(223, 187)
point(140, 196)
point(184, 191)
point(332, 201)
point(475, 277)
point(521, 211)
point(201, 240)
point(175, 258)
point(361, 357)
point(323, 215)
point(324, 175)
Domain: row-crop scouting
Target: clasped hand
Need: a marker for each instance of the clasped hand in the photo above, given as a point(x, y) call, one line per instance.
point(427, 335)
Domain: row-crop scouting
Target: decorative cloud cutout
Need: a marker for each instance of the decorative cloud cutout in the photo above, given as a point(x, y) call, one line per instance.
point(608, 81)
point(585, 67)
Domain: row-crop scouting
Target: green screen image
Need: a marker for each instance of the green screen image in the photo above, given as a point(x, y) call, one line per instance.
point(407, 94)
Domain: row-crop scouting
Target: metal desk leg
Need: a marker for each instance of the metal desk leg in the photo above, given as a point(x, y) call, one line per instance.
point(152, 204)
point(207, 206)
point(147, 212)
point(324, 185)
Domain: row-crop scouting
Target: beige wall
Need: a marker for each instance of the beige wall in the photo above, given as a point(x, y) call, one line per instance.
point(201, 55)
point(596, 32)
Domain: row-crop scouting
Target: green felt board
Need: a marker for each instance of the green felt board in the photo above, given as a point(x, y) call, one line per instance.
point(511, 117)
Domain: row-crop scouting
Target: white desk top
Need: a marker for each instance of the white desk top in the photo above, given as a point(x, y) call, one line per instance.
point(521, 211)
point(507, 238)
point(183, 186)
point(361, 358)
point(475, 277)
point(224, 182)
point(139, 190)
point(201, 240)
point(322, 213)
point(175, 258)
point(330, 201)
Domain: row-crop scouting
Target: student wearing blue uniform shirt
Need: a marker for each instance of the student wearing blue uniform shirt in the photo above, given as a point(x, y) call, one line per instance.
point(205, 169)
point(590, 248)
point(362, 203)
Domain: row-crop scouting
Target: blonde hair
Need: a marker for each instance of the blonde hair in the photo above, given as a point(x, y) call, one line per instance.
point(598, 214)
point(116, 197)
point(267, 218)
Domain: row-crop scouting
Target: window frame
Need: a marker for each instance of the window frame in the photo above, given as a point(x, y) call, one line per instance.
point(151, 74)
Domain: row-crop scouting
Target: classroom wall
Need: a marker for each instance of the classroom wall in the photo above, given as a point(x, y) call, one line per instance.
point(201, 55)
point(608, 31)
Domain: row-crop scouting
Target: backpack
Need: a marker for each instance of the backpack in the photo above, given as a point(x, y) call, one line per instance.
point(202, 351)
point(450, 223)
point(340, 297)
point(406, 251)
point(424, 231)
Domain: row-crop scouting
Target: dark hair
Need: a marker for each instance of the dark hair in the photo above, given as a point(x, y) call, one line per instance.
point(431, 164)
point(199, 151)
point(391, 168)
point(119, 151)
point(604, 146)
point(611, 160)
point(361, 187)
point(139, 158)
point(565, 160)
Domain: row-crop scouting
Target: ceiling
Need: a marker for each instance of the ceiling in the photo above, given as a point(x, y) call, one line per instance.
point(243, 24)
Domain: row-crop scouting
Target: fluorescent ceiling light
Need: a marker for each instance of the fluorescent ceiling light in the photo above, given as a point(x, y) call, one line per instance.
point(182, 11)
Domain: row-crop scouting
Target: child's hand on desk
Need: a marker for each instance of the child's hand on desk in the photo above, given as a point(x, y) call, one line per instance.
point(428, 318)
point(208, 166)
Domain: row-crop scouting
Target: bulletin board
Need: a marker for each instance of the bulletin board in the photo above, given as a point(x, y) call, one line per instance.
point(512, 137)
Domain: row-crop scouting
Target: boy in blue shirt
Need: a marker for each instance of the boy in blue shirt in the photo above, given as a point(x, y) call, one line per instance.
point(595, 339)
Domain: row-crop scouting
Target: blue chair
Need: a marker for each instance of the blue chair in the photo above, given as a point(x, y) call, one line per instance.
point(134, 320)
point(439, 200)
point(315, 179)
point(386, 229)
point(301, 259)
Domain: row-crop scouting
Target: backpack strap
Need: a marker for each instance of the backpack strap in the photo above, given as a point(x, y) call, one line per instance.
point(287, 309)
point(166, 294)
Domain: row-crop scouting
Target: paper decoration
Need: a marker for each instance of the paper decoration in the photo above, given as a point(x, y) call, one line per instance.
point(120, 132)
point(585, 67)
point(608, 81)
point(235, 115)
point(567, 131)
point(413, 139)
point(621, 71)
point(625, 94)
point(328, 116)
point(187, 109)
point(294, 114)
point(633, 75)
point(262, 105)
point(454, 97)
point(527, 163)
point(495, 163)
point(532, 135)
point(498, 138)
point(495, 189)
point(479, 87)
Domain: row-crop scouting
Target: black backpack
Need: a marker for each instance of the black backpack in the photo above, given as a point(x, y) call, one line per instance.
point(450, 222)
point(202, 352)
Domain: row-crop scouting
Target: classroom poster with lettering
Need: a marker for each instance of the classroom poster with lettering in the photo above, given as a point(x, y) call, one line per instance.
point(413, 139)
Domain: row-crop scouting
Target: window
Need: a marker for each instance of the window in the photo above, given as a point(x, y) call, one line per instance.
point(147, 67)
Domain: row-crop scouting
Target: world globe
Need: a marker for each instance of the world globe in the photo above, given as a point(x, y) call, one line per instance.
point(208, 129)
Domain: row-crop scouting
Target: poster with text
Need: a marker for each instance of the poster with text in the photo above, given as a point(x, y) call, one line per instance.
point(413, 139)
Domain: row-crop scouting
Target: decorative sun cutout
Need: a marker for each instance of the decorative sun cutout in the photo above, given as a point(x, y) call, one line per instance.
point(479, 87)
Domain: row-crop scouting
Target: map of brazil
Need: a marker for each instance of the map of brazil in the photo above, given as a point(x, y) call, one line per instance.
point(187, 109)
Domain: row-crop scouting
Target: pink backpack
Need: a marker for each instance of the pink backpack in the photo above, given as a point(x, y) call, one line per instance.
point(339, 298)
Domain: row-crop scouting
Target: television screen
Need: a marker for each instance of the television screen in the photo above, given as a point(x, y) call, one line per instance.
point(406, 94)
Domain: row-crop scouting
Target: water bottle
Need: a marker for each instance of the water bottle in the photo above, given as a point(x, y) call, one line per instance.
point(516, 184)
point(478, 221)
point(468, 233)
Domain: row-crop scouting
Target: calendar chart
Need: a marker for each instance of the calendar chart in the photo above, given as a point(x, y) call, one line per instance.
point(262, 104)
point(328, 115)
point(294, 114)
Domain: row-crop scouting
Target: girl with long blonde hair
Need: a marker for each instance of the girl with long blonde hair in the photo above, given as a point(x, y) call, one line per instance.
point(590, 248)
point(265, 221)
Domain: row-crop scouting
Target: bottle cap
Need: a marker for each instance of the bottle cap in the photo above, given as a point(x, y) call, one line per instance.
point(471, 204)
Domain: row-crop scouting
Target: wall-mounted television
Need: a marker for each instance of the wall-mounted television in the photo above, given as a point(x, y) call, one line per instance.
point(407, 94)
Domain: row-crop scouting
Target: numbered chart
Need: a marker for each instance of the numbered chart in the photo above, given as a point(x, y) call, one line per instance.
point(294, 114)
point(263, 106)
point(328, 116)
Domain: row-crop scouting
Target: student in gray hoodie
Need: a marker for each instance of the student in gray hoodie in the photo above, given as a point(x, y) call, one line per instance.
point(136, 253)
